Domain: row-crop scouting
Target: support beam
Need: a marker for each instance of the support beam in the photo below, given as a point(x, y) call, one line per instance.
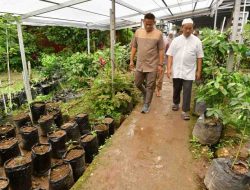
point(8, 66)
point(230, 63)
point(223, 24)
point(4, 101)
point(180, 16)
point(244, 17)
point(55, 22)
point(121, 2)
point(112, 40)
point(216, 13)
point(213, 6)
point(167, 7)
point(151, 11)
point(195, 5)
point(53, 8)
point(24, 63)
point(7, 54)
point(88, 39)
point(236, 19)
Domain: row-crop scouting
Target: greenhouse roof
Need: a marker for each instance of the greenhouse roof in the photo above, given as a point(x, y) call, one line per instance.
point(95, 14)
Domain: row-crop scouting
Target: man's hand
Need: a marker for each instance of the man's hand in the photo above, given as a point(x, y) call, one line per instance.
point(169, 73)
point(131, 65)
point(198, 75)
point(160, 69)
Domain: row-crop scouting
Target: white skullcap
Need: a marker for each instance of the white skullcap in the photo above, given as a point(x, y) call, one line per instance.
point(187, 21)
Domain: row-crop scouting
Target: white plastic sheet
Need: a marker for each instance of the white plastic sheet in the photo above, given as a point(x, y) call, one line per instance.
point(95, 13)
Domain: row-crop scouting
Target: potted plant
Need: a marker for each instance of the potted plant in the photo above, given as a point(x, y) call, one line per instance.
point(208, 127)
point(29, 136)
point(7, 131)
point(41, 158)
point(90, 144)
point(57, 138)
point(18, 170)
point(72, 130)
point(75, 156)
point(226, 173)
point(61, 177)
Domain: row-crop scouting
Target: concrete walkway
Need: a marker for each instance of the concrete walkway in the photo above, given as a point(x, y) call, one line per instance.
point(148, 152)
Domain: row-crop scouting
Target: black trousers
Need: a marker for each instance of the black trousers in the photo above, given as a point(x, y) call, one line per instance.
point(178, 84)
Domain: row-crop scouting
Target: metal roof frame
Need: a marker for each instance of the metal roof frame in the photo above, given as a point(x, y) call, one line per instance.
point(40, 17)
point(37, 17)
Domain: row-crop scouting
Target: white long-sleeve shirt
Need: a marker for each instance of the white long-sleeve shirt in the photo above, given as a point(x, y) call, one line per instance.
point(185, 52)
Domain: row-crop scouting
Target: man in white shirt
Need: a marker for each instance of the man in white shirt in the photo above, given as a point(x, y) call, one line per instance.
point(184, 63)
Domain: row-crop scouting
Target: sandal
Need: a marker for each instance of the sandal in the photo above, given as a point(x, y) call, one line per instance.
point(158, 93)
point(175, 107)
point(185, 116)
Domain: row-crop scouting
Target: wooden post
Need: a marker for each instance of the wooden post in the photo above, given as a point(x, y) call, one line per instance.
point(88, 39)
point(223, 24)
point(230, 62)
point(112, 40)
point(4, 101)
point(243, 21)
point(7, 55)
point(8, 66)
point(29, 70)
point(25, 70)
point(216, 13)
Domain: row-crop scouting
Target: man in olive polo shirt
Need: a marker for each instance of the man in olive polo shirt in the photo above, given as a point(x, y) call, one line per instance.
point(148, 43)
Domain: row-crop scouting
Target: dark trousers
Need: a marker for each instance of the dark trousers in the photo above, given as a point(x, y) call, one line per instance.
point(148, 89)
point(178, 84)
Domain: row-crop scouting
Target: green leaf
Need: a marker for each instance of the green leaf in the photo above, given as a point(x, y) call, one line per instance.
point(223, 90)
point(241, 95)
point(209, 113)
point(234, 102)
point(217, 85)
point(231, 85)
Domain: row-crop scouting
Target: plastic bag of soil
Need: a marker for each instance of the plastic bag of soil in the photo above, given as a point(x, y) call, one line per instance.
point(37, 109)
point(220, 176)
point(200, 107)
point(4, 183)
point(18, 170)
point(61, 177)
point(207, 132)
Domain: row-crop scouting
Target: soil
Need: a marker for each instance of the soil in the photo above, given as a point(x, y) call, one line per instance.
point(45, 118)
point(59, 172)
point(3, 183)
point(57, 134)
point(54, 113)
point(18, 161)
point(101, 128)
point(88, 138)
point(108, 120)
point(74, 153)
point(21, 116)
point(82, 115)
point(240, 169)
point(5, 128)
point(68, 125)
point(41, 149)
point(211, 122)
point(38, 105)
point(27, 129)
point(5, 144)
